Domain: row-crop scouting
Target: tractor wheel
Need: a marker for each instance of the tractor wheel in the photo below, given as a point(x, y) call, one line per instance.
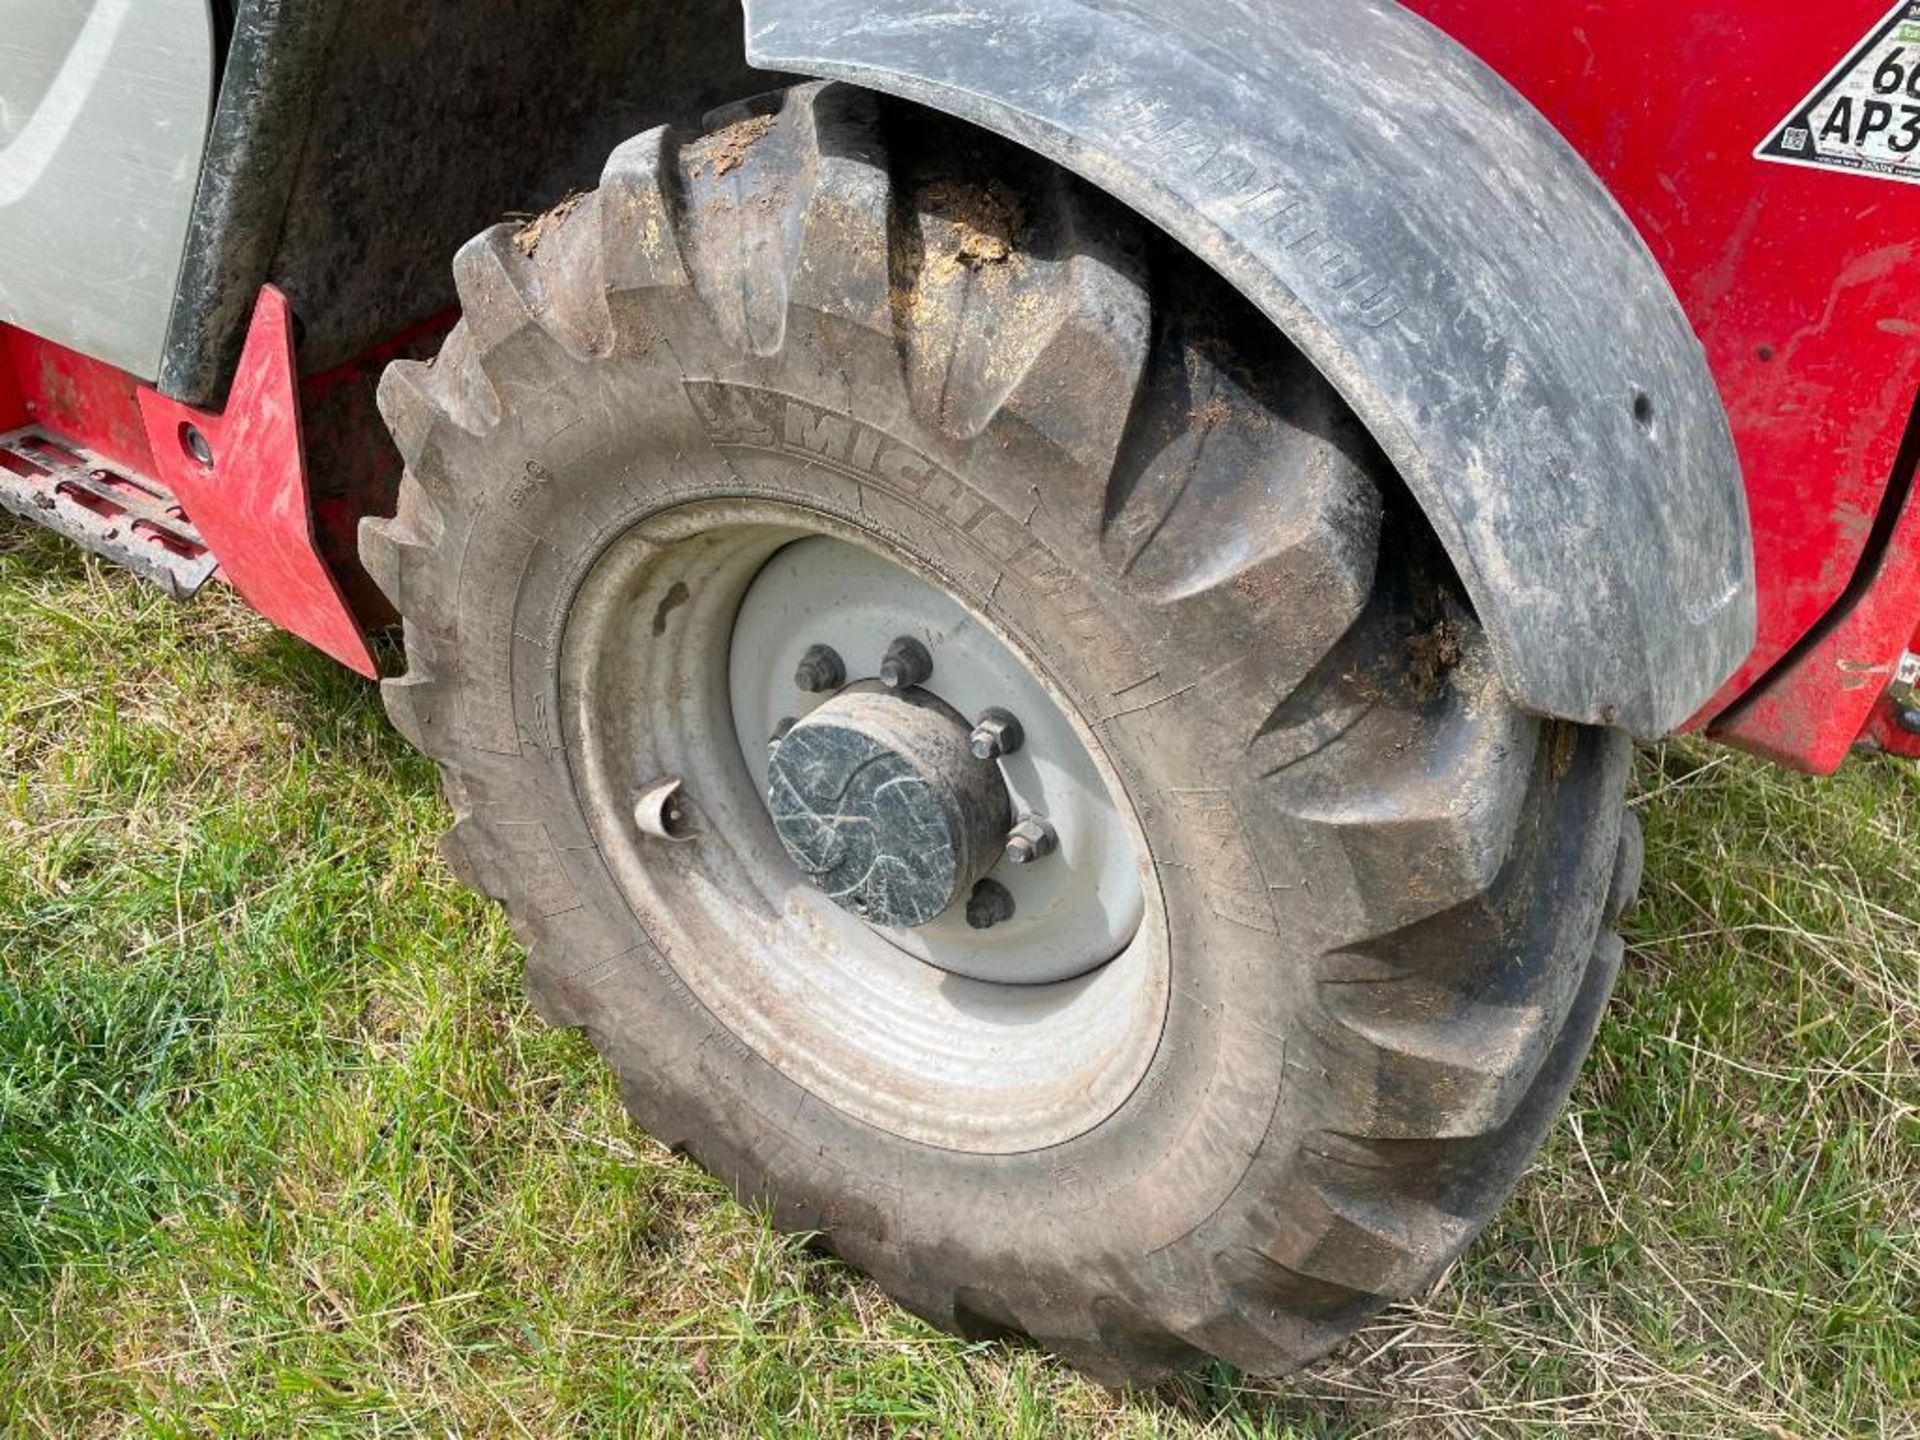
point(964, 719)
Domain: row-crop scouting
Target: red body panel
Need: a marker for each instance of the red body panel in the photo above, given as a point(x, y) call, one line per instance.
point(252, 501)
point(1804, 285)
point(72, 395)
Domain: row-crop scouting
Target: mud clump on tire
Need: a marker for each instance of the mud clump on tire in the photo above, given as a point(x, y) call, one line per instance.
point(1431, 654)
point(971, 224)
point(725, 151)
point(529, 235)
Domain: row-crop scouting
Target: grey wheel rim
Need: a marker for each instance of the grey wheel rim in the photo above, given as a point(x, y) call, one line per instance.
point(999, 1040)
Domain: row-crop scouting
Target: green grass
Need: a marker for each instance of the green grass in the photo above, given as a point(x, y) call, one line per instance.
point(283, 1152)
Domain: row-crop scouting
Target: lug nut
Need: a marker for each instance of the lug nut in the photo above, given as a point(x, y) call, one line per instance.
point(780, 732)
point(990, 903)
point(821, 669)
point(907, 663)
point(995, 733)
point(1032, 839)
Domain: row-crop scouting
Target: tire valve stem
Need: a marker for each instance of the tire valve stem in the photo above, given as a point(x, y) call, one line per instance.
point(661, 810)
point(907, 663)
point(1030, 840)
point(990, 903)
point(780, 732)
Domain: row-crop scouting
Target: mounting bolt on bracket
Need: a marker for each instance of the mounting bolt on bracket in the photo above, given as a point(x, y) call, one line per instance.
point(1906, 704)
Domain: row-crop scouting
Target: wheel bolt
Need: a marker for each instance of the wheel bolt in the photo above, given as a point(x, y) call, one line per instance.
point(995, 733)
point(990, 903)
point(780, 732)
point(907, 663)
point(1032, 839)
point(821, 669)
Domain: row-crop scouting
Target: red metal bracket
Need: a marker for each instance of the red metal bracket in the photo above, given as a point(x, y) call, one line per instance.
point(241, 475)
point(1833, 690)
point(1886, 734)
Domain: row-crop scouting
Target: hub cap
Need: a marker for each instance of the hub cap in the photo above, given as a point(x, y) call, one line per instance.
point(881, 803)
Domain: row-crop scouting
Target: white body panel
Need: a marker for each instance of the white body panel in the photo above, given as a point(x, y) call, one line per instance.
point(104, 106)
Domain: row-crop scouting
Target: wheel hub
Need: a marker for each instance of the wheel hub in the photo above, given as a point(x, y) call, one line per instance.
point(1064, 895)
point(883, 806)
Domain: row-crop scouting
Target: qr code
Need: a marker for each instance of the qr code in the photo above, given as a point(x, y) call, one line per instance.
point(1795, 139)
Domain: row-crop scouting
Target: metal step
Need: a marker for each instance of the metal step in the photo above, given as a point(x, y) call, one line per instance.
point(105, 508)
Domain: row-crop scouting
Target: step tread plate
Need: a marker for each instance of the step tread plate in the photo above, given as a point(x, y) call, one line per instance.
point(126, 517)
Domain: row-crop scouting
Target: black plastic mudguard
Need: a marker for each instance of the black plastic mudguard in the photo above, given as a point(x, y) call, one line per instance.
point(1440, 253)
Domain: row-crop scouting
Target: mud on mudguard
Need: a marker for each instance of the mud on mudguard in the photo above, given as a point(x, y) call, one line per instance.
point(1429, 241)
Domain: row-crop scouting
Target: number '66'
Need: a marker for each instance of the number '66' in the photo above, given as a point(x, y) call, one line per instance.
point(1892, 75)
